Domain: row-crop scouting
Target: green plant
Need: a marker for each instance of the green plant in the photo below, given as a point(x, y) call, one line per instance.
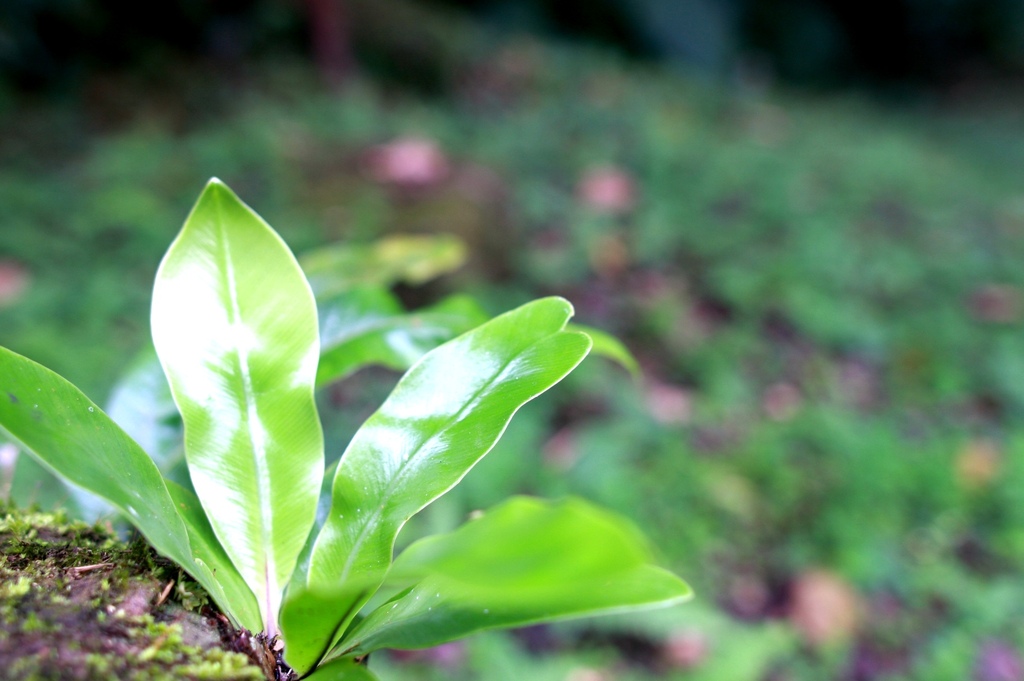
point(361, 323)
point(286, 548)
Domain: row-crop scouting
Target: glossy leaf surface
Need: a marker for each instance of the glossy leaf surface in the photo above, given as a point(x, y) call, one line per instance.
point(312, 617)
point(358, 328)
point(441, 418)
point(412, 259)
point(367, 326)
point(345, 669)
point(71, 436)
point(234, 324)
point(525, 561)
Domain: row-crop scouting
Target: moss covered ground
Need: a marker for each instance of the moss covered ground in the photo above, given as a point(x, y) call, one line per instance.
point(78, 603)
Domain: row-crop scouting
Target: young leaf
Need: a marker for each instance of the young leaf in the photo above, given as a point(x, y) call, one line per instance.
point(235, 327)
point(441, 418)
point(523, 562)
point(608, 346)
point(413, 259)
point(367, 325)
point(69, 434)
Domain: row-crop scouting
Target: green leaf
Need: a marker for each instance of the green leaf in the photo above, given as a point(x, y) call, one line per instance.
point(234, 324)
point(223, 581)
point(610, 347)
point(524, 562)
point(345, 669)
point(366, 325)
point(72, 437)
point(305, 611)
point(308, 610)
point(141, 403)
point(442, 417)
point(358, 328)
point(412, 259)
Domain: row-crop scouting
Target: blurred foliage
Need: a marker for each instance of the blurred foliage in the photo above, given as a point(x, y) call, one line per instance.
point(878, 43)
point(47, 44)
point(824, 296)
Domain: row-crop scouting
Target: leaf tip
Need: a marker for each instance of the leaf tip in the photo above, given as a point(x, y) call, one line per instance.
point(217, 187)
point(558, 305)
point(567, 306)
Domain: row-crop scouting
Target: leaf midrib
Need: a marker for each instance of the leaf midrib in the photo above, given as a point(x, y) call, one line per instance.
point(405, 466)
point(378, 510)
point(241, 358)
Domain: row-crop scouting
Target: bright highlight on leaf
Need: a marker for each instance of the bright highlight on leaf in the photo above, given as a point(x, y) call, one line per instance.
point(442, 417)
point(280, 547)
point(234, 323)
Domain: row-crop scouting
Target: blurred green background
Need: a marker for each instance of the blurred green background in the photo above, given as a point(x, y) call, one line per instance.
point(807, 225)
